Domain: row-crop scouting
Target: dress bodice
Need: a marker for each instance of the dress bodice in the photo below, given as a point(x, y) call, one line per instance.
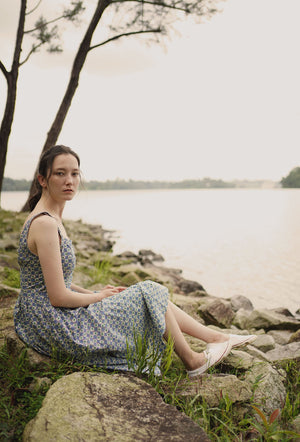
point(32, 279)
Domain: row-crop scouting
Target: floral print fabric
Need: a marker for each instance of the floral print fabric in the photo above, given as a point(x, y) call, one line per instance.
point(97, 335)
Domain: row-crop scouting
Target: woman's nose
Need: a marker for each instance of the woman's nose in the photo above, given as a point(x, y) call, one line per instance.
point(69, 178)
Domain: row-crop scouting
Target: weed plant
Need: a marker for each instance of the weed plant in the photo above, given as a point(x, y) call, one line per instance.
point(101, 271)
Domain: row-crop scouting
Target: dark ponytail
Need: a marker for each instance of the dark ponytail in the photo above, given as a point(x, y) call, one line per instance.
point(45, 170)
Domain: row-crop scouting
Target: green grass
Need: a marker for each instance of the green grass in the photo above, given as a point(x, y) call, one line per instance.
point(19, 402)
point(11, 277)
point(101, 272)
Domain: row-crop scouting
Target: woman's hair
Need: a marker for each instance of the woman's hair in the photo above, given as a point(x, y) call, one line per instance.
point(45, 169)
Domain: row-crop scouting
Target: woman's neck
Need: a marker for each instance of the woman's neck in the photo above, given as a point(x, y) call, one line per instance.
point(53, 208)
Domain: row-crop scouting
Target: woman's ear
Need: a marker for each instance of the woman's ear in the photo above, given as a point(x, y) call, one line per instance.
point(42, 181)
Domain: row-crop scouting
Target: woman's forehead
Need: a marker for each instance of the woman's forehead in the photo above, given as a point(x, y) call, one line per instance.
point(65, 161)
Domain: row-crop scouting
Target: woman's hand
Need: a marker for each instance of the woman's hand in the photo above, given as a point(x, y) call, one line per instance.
point(110, 290)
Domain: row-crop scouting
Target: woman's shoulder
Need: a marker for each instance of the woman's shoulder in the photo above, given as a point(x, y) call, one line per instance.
point(40, 220)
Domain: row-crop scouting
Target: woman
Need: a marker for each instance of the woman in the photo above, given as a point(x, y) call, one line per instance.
point(53, 314)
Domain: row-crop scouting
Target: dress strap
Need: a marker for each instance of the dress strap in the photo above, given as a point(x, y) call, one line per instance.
point(28, 223)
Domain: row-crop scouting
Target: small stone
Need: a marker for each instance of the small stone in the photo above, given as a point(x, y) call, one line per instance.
point(39, 384)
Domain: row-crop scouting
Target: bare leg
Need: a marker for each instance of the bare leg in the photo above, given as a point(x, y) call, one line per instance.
point(189, 325)
point(190, 358)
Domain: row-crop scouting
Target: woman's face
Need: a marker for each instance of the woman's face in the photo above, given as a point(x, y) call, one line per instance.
point(64, 180)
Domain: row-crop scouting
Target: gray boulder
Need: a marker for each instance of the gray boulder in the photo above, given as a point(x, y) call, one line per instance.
point(101, 407)
point(268, 320)
point(264, 343)
point(257, 354)
point(281, 337)
point(239, 301)
point(295, 337)
point(217, 312)
point(15, 346)
point(284, 352)
point(187, 286)
point(240, 319)
point(212, 388)
point(239, 359)
point(267, 385)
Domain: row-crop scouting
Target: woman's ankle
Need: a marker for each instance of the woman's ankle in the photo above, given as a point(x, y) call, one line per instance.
point(219, 338)
point(196, 361)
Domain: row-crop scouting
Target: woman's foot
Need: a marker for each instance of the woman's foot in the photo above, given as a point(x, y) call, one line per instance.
point(240, 340)
point(235, 340)
point(214, 356)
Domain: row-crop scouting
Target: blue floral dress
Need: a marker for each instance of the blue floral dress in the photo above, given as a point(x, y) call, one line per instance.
point(98, 335)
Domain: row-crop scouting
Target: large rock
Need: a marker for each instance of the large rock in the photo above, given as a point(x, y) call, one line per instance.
point(217, 312)
point(187, 303)
point(264, 343)
point(15, 347)
point(212, 388)
point(240, 319)
point(284, 352)
point(268, 320)
point(257, 354)
point(101, 407)
point(8, 298)
point(239, 359)
point(267, 385)
point(187, 286)
point(239, 301)
point(295, 337)
point(281, 337)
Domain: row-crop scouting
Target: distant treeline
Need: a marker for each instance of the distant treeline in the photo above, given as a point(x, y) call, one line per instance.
point(132, 184)
point(10, 184)
point(205, 183)
point(292, 179)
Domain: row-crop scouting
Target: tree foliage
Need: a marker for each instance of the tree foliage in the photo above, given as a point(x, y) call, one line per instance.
point(153, 18)
point(292, 179)
point(45, 34)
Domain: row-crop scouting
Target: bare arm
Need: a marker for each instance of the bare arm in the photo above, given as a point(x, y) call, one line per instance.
point(48, 250)
point(79, 289)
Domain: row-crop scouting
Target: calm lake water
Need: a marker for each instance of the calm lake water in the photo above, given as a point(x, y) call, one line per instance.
point(234, 242)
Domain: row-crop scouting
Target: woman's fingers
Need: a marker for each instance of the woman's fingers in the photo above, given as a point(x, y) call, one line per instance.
point(110, 290)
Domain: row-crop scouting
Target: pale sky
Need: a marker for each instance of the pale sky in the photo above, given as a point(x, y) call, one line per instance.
point(222, 100)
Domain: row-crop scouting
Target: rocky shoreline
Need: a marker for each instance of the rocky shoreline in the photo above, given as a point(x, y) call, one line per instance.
point(259, 369)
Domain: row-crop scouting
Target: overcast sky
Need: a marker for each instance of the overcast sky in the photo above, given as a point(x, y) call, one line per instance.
point(222, 100)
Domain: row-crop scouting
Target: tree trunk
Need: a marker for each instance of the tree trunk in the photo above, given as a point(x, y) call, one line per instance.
point(12, 79)
point(72, 86)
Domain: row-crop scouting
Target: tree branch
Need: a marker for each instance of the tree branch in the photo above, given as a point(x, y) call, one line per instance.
point(125, 34)
point(154, 3)
point(45, 24)
point(3, 70)
point(33, 49)
point(34, 8)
